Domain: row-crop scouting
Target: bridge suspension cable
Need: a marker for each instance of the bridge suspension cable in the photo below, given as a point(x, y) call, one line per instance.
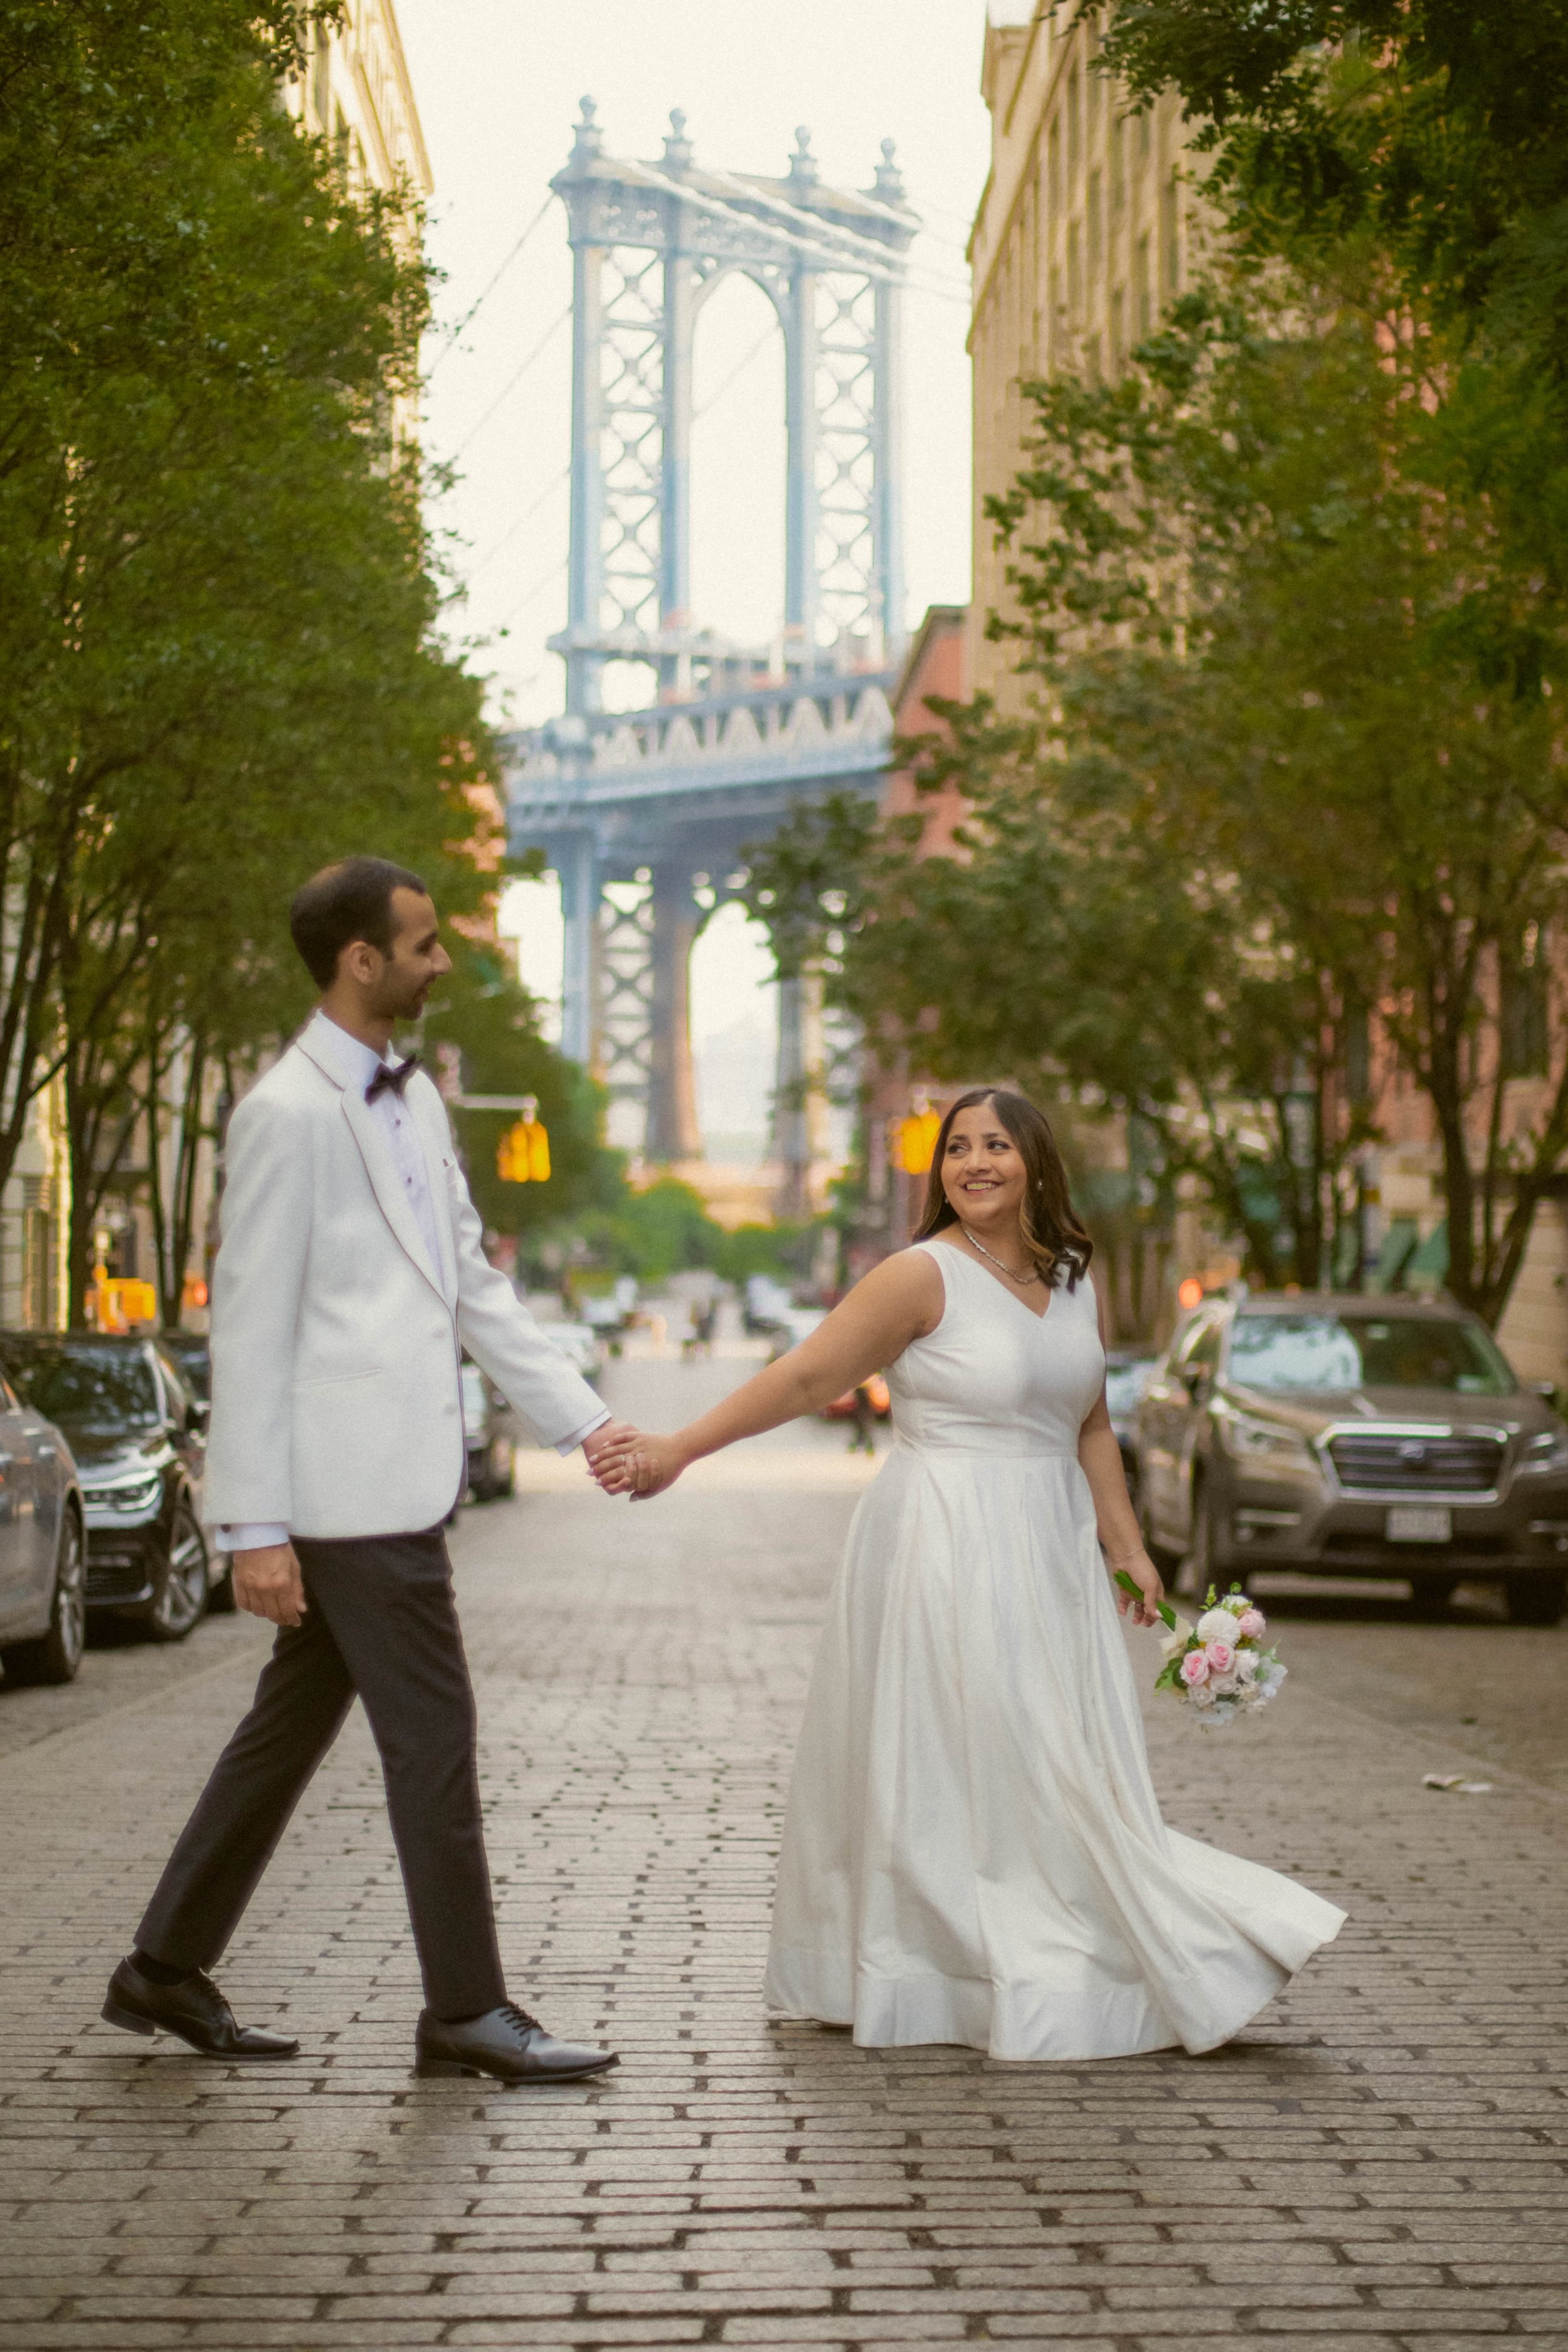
point(512, 382)
point(472, 312)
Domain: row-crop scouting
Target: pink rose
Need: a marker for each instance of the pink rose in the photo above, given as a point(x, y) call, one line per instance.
point(1251, 1623)
point(1221, 1656)
point(1195, 1668)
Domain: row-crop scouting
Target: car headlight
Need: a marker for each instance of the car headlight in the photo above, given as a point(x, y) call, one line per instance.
point(130, 1495)
point(1263, 1443)
point(1547, 1452)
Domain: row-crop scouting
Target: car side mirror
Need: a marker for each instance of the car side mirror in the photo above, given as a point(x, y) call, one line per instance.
point(1547, 1388)
point(196, 1413)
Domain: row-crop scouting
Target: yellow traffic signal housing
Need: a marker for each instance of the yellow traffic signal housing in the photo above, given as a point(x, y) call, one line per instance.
point(522, 1156)
point(914, 1141)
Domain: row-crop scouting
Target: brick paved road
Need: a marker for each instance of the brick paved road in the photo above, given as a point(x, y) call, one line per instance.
point(1378, 2163)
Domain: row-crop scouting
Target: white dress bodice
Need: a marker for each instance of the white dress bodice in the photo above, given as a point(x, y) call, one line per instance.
point(995, 1377)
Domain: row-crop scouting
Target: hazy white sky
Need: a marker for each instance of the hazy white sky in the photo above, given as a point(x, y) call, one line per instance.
point(498, 84)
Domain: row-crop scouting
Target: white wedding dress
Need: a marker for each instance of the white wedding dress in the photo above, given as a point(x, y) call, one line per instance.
point(973, 1852)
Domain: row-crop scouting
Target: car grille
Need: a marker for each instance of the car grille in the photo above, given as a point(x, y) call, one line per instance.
point(1390, 1462)
point(116, 1576)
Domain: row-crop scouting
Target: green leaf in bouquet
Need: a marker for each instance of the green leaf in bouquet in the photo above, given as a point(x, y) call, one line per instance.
point(1163, 1610)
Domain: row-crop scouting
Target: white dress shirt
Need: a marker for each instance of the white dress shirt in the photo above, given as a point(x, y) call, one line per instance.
point(356, 1065)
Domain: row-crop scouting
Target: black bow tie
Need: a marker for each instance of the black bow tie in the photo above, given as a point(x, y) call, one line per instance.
point(394, 1075)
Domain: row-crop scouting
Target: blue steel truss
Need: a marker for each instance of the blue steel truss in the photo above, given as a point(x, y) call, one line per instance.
point(656, 806)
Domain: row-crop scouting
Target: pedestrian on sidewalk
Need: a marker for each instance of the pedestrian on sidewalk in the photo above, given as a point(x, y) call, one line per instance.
point(863, 1434)
point(973, 1852)
point(349, 1280)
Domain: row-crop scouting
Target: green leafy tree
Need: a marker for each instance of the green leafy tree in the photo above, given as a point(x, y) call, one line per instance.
point(218, 666)
point(1292, 753)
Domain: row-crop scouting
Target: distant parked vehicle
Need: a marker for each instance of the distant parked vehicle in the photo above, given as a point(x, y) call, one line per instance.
point(490, 1430)
point(138, 1437)
point(1354, 1435)
point(43, 1599)
point(582, 1345)
point(767, 1307)
point(1128, 1372)
point(192, 1355)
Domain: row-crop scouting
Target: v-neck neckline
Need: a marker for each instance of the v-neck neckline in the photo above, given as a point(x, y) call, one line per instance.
point(997, 1283)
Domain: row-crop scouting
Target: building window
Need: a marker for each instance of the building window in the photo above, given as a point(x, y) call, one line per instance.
point(1145, 134)
point(1117, 326)
point(1075, 274)
point(1524, 1023)
point(1143, 299)
point(1072, 122)
point(1170, 245)
point(1053, 166)
point(1118, 137)
point(1096, 240)
point(1358, 1054)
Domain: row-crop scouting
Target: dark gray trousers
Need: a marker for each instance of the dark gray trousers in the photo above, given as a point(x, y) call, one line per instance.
point(381, 1623)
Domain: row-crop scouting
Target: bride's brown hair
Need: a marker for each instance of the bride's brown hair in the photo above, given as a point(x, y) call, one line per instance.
point(1049, 1223)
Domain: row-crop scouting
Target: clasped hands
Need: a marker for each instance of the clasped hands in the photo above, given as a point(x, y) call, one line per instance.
point(627, 1461)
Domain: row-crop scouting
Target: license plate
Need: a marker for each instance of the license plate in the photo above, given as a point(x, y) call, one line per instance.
point(1427, 1523)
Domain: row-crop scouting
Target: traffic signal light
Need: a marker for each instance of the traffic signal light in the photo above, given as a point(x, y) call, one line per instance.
point(522, 1155)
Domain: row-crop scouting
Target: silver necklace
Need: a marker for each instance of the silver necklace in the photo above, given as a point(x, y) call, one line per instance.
point(1023, 1280)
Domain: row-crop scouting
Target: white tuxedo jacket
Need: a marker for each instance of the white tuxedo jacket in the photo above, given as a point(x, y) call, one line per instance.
point(337, 1403)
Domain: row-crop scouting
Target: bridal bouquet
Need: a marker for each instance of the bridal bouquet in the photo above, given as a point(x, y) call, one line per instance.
point(1218, 1667)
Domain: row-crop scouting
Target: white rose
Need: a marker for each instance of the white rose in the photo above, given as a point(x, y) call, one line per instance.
point(1200, 1695)
point(1217, 1625)
point(1245, 1665)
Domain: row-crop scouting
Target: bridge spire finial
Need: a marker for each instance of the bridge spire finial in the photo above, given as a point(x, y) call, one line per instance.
point(889, 179)
point(803, 164)
point(588, 139)
point(677, 148)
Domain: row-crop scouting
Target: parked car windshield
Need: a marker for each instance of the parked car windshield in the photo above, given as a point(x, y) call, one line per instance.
point(84, 1384)
point(188, 1352)
point(1370, 1351)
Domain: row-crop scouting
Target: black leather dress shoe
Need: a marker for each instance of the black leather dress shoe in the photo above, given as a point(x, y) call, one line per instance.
point(508, 2043)
point(194, 2009)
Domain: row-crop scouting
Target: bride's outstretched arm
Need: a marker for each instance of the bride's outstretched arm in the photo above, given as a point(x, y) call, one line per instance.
point(900, 1300)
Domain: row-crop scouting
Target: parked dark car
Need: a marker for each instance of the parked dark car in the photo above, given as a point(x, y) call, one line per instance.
point(1354, 1435)
point(491, 1430)
point(192, 1358)
point(1128, 1372)
point(137, 1435)
point(43, 1600)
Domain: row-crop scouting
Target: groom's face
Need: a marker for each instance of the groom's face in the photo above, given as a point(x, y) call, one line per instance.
point(413, 963)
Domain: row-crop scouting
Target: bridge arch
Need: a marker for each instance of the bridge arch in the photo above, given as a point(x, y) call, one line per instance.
point(652, 798)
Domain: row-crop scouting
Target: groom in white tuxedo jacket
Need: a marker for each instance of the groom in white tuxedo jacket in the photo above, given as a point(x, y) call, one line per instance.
point(349, 1280)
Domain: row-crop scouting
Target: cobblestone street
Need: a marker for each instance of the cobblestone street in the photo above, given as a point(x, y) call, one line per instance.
point(1378, 2161)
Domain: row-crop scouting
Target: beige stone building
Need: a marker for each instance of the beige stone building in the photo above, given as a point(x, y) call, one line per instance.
point(356, 93)
point(1084, 232)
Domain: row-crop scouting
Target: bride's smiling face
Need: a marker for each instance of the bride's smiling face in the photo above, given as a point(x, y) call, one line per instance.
point(983, 1170)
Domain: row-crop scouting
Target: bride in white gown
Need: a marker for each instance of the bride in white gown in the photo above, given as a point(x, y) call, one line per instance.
point(973, 1852)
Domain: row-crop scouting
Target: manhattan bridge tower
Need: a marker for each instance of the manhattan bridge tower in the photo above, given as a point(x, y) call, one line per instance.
point(661, 800)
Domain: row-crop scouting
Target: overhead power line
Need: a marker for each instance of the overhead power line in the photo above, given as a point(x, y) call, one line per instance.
point(471, 314)
point(538, 588)
point(512, 382)
point(528, 514)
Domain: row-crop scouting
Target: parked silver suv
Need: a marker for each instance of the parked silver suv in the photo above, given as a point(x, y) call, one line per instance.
point(1341, 1434)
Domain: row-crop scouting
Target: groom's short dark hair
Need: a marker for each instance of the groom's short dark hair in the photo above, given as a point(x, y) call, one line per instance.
point(350, 900)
